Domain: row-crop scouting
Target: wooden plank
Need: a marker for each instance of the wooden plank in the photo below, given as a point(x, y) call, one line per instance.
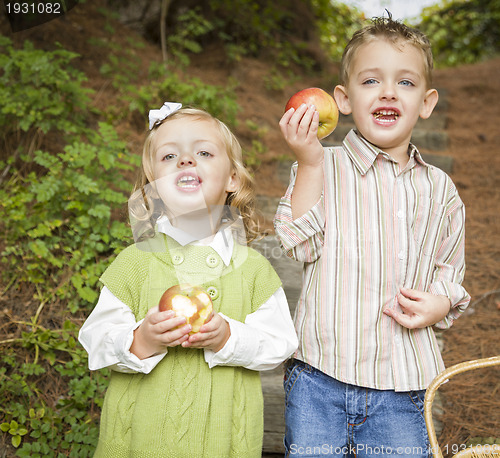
point(274, 408)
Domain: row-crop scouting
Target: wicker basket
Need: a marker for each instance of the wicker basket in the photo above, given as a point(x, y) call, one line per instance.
point(475, 451)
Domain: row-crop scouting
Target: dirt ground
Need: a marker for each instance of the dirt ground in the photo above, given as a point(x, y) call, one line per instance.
point(471, 403)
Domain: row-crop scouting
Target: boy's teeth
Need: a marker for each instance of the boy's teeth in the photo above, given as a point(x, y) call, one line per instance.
point(381, 113)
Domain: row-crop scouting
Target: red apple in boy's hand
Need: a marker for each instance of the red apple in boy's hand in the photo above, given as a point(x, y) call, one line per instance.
point(189, 301)
point(325, 105)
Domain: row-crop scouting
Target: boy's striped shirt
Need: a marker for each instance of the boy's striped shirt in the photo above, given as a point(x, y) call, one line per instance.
point(374, 230)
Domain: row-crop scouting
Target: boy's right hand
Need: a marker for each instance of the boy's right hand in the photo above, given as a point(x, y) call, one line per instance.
point(300, 129)
point(157, 332)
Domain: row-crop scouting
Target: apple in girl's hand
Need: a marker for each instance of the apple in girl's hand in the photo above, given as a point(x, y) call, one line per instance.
point(189, 301)
point(325, 105)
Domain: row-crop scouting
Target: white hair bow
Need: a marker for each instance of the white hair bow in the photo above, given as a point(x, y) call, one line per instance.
point(166, 110)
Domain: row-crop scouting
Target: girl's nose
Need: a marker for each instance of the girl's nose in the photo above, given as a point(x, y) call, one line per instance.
point(186, 160)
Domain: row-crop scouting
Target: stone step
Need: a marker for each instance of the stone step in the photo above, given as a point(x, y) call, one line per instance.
point(274, 410)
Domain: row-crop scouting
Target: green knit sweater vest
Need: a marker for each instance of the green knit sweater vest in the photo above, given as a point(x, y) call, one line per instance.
point(183, 408)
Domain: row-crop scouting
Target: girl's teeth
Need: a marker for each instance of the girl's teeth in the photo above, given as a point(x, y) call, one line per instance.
point(187, 182)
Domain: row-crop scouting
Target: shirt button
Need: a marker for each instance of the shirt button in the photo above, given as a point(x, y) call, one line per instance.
point(213, 292)
point(177, 259)
point(212, 261)
point(401, 214)
point(401, 255)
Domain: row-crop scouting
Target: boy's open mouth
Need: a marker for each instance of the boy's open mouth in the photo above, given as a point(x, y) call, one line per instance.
point(386, 115)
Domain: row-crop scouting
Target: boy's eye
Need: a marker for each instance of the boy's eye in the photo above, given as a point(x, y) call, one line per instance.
point(370, 81)
point(406, 83)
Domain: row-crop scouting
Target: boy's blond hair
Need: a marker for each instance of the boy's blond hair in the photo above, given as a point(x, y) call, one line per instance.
point(396, 33)
point(146, 207)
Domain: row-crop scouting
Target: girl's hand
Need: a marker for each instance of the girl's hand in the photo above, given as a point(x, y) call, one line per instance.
point(420, 309)
point(300, 129)
point(213, 335)
point(157, 332)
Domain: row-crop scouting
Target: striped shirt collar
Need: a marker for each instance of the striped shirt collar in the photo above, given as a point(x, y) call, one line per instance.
point(364, 153)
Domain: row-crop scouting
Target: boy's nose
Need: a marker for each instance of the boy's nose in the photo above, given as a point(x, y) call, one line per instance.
point(388, 92)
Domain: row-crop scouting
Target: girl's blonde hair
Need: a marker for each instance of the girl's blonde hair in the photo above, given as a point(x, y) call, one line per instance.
point(396, 33)
point(145, 206)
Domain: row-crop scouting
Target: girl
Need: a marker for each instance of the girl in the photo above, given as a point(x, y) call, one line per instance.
point(171, 393)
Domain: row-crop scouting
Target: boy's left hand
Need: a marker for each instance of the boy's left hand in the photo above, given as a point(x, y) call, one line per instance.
point(213, 335)
point(419, 308)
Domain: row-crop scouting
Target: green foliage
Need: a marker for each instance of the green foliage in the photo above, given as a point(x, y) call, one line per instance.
point(219, 101)
point(69, 425)
point(252, 25)
point(15, 430)
point(40, 89)
point(336, 24)
point(60, 220)
point(245, 27)
point(120, 69)
point(258, 148)
point(190, 25)
point(56, 210)
point(122, 62)
point(462, 31)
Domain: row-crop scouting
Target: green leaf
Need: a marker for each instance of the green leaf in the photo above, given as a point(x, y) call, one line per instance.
point(16, 441)
point(100, 211)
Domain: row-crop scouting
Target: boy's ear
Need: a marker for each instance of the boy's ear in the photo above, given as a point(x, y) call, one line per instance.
point(342, 99)
point(430, 101)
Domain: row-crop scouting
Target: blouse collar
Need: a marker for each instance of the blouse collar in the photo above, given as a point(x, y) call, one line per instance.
point(222, 242)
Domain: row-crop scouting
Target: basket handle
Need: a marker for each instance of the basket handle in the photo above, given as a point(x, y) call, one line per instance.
point(437, 382)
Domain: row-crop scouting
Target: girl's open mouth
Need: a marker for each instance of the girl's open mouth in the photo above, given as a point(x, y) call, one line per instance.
point(188, 181)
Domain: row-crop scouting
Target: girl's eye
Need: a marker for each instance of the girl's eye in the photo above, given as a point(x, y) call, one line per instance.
point(168, 157)
point(205, 154)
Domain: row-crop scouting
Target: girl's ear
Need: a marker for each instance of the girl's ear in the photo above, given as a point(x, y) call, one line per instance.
point(342, 99)
point(430, 101)
point(233, 182)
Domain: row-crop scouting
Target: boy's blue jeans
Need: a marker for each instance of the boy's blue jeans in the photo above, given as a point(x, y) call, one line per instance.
point(325, 417)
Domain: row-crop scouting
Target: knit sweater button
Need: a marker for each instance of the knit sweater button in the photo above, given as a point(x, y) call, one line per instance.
point(177, 259)
point(212, 261)
point(213, 292)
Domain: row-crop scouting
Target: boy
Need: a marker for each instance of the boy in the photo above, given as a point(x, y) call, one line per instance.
point(381, 235)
